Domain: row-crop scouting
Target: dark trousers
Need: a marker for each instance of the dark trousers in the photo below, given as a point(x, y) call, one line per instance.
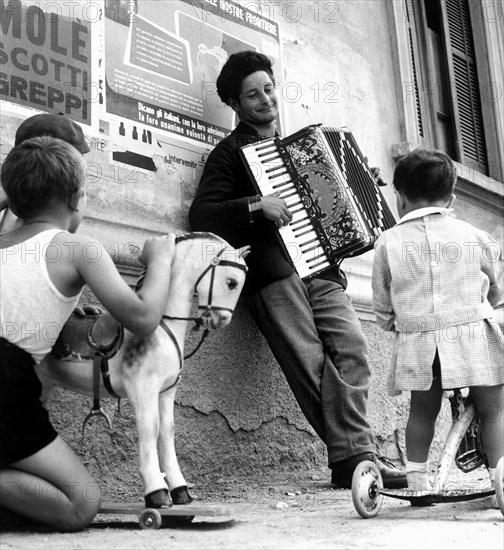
point(316, 337)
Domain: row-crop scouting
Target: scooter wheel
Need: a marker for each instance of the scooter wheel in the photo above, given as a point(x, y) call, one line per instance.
point(366, 484)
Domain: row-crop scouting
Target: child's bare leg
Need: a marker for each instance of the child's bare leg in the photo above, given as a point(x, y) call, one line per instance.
point(489, 402)
point(424, 409)
point(52, 487)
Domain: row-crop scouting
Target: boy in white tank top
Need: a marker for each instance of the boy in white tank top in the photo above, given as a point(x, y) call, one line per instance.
point(44, 267)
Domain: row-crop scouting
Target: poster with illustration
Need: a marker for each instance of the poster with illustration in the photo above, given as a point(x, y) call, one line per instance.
point(162, 60)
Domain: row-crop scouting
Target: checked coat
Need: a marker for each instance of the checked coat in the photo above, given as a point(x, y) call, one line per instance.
point(436, 281)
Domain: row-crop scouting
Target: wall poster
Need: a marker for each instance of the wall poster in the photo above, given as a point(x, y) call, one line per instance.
point(162, 61)
point(139, 76)
point(47, 58)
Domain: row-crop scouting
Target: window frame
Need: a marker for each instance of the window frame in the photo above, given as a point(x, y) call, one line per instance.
point(487, 31)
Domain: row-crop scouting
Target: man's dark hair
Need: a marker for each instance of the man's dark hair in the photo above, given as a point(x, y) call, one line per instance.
point(238, 66)
point(38, 173)
point(425, 174)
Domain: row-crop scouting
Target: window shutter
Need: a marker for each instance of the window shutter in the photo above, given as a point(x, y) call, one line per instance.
point(409, 14)
point(467, 100)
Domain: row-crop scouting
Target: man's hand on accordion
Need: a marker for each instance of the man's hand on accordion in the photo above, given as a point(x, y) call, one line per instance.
point(275, 209)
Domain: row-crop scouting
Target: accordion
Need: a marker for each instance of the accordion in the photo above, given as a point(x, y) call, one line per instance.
point(337, 206)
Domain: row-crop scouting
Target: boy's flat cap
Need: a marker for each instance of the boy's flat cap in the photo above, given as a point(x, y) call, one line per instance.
point(58, 126)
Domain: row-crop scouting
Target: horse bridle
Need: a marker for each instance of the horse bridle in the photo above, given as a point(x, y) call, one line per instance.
point(204, 318)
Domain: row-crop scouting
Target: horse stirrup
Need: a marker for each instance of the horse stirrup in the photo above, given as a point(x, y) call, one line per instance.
point(97, 410)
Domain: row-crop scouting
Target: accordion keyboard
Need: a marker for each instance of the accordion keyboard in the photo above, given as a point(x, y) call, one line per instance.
point(338, 208)
point(271, 174)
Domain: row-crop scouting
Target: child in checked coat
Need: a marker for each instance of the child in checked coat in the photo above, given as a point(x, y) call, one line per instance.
point(436, 281)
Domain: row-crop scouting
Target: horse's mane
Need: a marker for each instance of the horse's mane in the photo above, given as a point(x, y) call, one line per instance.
point(199, 235)
point(178, 239)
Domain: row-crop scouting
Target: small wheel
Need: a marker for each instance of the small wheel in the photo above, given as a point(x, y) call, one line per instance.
point(499, 483)
point(150, 519)
point(366, 483)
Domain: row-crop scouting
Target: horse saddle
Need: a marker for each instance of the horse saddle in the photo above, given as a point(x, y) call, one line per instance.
point(85, 335)
point(95, 336)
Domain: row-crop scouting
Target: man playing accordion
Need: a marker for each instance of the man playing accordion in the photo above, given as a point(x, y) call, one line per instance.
point(310, 325)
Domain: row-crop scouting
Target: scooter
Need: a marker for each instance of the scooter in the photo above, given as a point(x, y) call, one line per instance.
point(462, 445)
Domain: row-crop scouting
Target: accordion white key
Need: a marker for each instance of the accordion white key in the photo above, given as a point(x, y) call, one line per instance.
point(337, 206)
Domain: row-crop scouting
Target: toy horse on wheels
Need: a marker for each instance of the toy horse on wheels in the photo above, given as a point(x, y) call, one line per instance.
point(147, 370)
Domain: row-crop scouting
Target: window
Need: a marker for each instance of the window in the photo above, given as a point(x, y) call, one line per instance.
point(451, 73)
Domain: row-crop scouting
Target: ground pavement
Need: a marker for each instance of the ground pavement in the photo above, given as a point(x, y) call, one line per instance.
point(292, 512)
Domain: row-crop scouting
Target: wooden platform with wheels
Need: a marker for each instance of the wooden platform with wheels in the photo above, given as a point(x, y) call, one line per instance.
point(155, 518)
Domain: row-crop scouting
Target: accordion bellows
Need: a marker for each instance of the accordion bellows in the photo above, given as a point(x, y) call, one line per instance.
point(337, 206)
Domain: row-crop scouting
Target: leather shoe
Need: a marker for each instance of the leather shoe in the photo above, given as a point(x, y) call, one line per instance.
point(392, 477)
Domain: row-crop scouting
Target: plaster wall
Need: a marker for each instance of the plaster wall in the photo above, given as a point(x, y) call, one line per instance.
point(234, 410)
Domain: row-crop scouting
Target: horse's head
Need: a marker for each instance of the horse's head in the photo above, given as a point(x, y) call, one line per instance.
point(219, 283)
